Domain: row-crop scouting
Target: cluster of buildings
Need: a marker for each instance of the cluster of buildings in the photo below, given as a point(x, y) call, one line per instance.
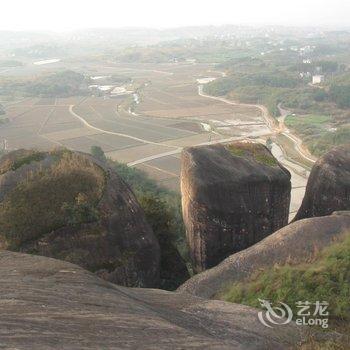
point(317, 77)
point(108, 90)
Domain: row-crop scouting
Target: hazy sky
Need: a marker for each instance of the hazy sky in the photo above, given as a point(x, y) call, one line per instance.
point(74, 14)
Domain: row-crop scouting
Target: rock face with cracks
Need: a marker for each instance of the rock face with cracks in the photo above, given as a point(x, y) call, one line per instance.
point(51, 304)
point(72, 207)
point(328, 186)
point(232, 197)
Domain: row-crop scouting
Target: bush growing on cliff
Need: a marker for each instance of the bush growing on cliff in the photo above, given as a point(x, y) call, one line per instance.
point(97, 152)
point(81, 210)
point(162, 206)
point(162, 209)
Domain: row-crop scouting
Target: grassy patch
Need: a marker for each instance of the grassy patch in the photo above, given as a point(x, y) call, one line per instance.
point(327, 278)
point(308, 126)
point(252, 150)
point(305, 120)
point(66, 193)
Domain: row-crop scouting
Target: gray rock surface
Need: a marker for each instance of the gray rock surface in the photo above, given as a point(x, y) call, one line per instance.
point(328, 186)
point(51, 304)
point(232, 197)
point(296, 242)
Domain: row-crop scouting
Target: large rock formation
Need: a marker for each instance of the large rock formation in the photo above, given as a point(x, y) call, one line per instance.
point(70, 206)
point(296, 242)
point(328, 187)
point(232, 197)
point(51, 304)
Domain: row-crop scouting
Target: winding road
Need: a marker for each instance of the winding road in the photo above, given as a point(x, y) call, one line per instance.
point(270, 122)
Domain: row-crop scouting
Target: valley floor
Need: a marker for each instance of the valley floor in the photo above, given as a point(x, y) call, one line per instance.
point(172, 113)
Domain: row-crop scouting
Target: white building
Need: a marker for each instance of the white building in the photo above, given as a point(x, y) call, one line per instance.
point(317, 79)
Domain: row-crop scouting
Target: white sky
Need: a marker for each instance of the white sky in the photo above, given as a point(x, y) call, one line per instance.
point(74, 14)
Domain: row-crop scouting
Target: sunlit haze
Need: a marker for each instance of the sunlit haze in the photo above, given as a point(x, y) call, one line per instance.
point(68, 14)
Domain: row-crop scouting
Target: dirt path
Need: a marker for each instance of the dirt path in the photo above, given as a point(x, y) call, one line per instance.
point(265, 114)
point(115, 133)
point(270, 122)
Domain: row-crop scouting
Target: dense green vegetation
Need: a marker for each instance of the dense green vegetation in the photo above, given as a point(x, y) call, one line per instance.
point(279, 74)
point(327, 277)
point(318, 132)
point(204, 51)
point(265, 87)
point(220, 87)
point(162, 209)
point(97, 152)
point(340, 94)
point(162, 206)
point(329, 139)
point(61, 84)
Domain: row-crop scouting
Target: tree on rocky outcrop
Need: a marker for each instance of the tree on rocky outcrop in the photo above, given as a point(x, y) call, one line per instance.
point(232, 197)
point(328, 186)
point(160, 215)
point(97, 152)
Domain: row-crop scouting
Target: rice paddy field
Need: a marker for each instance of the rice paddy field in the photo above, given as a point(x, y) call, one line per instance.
point(170, 114)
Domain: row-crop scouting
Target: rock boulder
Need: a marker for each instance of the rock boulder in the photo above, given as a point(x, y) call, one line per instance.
point(296, 243)
point(328, 186)
point(72, 207)
point(232, 197)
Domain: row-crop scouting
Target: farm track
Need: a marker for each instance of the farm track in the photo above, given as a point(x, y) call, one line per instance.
point(115, 133)
point(270, 122)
